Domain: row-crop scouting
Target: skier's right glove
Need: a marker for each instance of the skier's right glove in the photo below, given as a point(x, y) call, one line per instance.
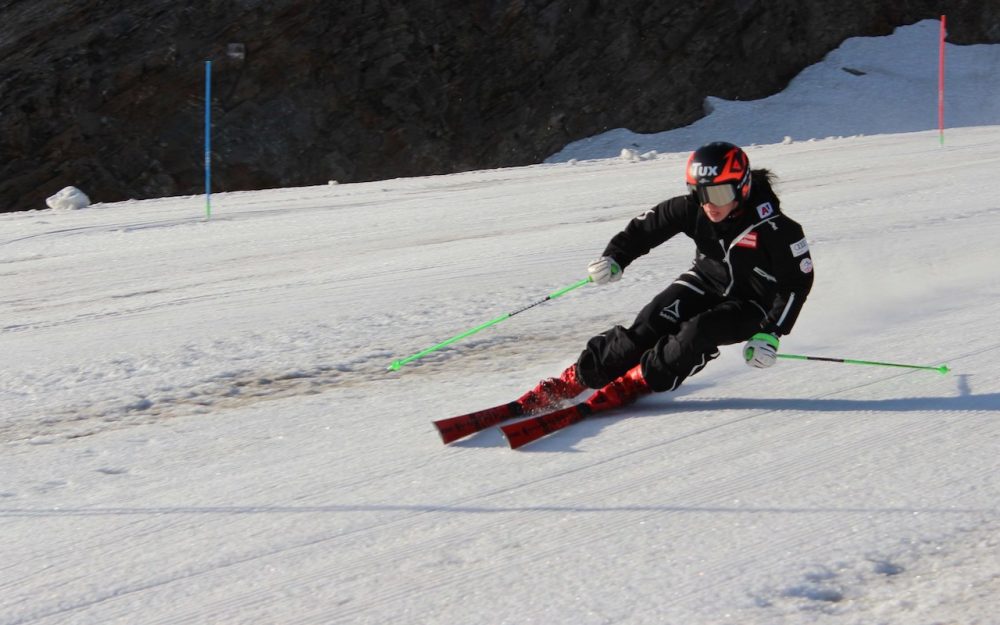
point(603, 270)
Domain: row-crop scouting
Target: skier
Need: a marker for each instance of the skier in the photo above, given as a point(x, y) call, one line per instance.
point(751, 274)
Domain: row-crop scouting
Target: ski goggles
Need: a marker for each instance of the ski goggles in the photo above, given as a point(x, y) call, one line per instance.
point(718, 194)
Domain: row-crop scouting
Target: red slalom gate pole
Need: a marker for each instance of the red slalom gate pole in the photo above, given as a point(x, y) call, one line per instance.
point(944, 32)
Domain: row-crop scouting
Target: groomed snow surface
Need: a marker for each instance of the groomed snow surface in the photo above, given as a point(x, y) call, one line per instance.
point(198, 426)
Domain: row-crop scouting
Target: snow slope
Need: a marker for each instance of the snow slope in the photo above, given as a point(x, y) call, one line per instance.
point(198, 425)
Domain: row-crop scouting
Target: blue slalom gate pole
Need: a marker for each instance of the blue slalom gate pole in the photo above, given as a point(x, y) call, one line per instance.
point(208, 139)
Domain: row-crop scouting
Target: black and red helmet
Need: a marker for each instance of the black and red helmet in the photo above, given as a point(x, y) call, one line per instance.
point(719, 173)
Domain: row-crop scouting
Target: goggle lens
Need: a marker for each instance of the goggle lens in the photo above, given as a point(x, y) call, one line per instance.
point(718, 194)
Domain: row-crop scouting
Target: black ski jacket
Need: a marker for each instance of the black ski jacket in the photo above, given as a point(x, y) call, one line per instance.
point(756, 254)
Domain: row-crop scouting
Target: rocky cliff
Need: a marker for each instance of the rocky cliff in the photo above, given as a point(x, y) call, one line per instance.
point(109, 96)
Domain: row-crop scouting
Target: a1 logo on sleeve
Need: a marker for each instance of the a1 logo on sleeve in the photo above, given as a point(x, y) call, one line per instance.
point(799, 248)
point(765, 210)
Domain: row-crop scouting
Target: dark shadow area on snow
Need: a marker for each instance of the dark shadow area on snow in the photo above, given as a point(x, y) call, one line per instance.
point(964, 402)
point(665, 406)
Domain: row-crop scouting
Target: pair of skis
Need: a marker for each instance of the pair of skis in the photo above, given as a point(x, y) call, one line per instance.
point(519, 433)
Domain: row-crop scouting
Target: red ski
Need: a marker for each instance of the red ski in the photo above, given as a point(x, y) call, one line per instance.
point(533, 428)
point(454, 428)
point(618, 393)
point(549, 393)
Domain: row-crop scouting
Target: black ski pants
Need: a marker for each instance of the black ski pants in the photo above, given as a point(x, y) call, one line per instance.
point(673, 337)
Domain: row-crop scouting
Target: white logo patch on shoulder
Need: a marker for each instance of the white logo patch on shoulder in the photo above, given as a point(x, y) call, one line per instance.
point(806, 265)
point(800, 248)
point(765, 210)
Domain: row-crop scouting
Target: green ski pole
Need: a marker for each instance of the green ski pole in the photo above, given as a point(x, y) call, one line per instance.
point(941, 369)
point(396, 365)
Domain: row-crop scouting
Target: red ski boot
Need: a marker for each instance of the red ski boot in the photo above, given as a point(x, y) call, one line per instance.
point(620, 392)
point(552, 392)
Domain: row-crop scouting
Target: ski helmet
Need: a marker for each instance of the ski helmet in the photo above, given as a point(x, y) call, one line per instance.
point(719, 173)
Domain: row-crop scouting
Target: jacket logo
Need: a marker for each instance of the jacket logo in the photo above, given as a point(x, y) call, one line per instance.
point(672, 312)
point(806, 266)
point(750, 240)
point(765, 210)
point(799, 248)
point(700, 171)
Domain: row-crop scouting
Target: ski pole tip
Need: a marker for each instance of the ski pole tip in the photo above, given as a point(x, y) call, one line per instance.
point(943, 369)
point(395, 366)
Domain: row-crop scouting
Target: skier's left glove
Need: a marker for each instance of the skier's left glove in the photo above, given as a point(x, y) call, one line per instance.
point(761, 350)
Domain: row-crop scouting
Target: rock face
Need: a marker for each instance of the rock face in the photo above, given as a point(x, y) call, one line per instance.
point(110, 98)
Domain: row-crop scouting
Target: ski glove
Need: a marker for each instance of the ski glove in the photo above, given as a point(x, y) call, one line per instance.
point(761, 350)
point(603, 270)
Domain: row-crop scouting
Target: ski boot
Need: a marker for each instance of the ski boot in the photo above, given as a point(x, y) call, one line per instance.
point(620, 392)
point(552, 393)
